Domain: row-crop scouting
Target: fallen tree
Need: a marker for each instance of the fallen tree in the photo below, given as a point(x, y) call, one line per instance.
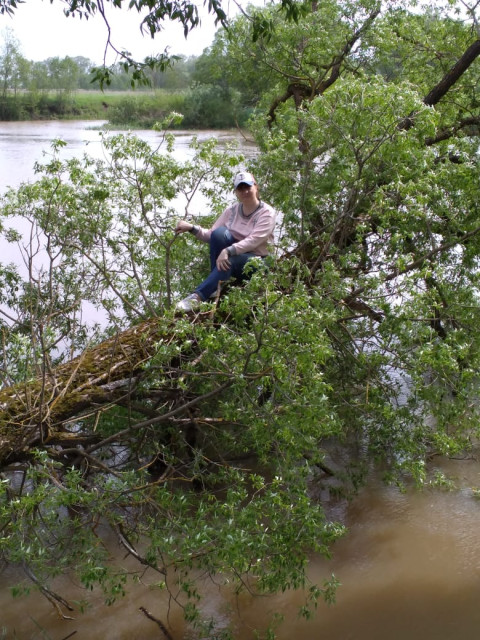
point(37, 412)
point(203, 442)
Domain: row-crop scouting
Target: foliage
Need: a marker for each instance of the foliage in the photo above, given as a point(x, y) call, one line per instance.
point(153, 15)
point(112, 223)
point(361, 339)
point(206, 107)
point(143, 111)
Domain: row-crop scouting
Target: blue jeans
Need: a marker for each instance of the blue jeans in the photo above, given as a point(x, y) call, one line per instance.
point(220, 239)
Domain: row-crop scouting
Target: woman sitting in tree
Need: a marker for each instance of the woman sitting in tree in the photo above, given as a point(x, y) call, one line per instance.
point(243, 231)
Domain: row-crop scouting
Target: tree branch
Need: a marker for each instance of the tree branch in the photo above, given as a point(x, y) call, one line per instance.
point(395, 273)
point(454, 74)
point(301, 91)
point(449, 132)
point(447, 82)
point(160, 624)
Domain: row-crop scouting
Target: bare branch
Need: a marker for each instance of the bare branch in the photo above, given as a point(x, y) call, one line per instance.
point(160, 624)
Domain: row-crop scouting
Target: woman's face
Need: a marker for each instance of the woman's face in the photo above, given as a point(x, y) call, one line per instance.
point(246, 192)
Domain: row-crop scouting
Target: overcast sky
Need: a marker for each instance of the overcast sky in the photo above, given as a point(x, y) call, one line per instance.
point(45, 32)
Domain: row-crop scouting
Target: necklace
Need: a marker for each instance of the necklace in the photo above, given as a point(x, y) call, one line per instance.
point(247, 215)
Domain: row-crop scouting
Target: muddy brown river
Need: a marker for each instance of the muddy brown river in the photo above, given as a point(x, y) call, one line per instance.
point(409, 569)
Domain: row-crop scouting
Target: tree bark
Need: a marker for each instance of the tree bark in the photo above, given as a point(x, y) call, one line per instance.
point(38, 411)
point(454, 74)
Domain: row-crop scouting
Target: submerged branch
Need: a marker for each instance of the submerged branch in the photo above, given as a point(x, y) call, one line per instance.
point(160, 624)
point(56, 600)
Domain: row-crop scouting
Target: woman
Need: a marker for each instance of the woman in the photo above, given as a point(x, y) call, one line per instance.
point(242, 232)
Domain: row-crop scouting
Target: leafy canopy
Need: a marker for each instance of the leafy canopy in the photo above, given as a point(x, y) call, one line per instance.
point(153, 14)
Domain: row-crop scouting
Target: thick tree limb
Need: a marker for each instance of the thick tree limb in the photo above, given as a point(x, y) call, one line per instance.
point(445, 134)
point(302, 91)
point(434, 96)
point(453, 75)
point(35, 412)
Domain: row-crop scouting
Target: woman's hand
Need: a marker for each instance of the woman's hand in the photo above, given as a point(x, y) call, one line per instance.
point(223, 261)
point(183, 226)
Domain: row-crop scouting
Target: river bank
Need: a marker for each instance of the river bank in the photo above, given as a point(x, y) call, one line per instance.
point(133, 109)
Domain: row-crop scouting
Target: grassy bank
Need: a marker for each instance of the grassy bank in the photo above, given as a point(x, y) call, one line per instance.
point(128, 108)
point(202, 108)
point(140, 109)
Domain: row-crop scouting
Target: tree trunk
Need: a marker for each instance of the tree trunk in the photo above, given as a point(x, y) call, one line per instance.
point(39, 411)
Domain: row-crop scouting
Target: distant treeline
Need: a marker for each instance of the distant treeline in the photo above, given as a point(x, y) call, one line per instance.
point(63, 88)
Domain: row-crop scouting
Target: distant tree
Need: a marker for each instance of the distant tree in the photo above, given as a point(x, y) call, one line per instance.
point(84, 66)
point(11, 63)
point(153, 15)
point(63, 74)
point(39, 80)
point(120, 79)
point(175, 78)
point(24, 72)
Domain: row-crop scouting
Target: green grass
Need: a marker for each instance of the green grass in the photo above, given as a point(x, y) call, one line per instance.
point(126, 107)
point(129, 108)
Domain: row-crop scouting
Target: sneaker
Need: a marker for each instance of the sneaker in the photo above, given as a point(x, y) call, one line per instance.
point(189, 303)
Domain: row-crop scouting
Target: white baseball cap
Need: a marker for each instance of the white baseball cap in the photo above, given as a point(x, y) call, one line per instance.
point(245, 177)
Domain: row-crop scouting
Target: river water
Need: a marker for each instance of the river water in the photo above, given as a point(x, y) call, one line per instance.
point(409, 570)
point(24, 143)
point(409, 567)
